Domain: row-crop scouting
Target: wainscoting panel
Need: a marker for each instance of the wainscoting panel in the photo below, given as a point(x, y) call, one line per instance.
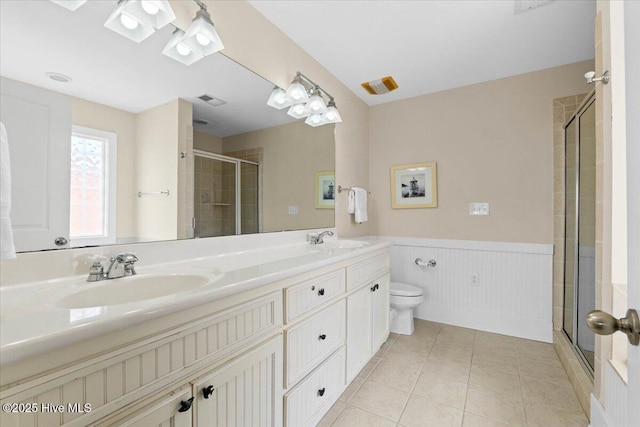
point(513, 293)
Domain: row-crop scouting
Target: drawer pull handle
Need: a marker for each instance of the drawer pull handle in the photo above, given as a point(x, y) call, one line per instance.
point(321, 291)
point(208, 391)
point(322, 337)
point(321, 392)
point(375, 287)
point(185, 405)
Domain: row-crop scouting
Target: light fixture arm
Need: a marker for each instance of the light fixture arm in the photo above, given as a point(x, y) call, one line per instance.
point(317, 87)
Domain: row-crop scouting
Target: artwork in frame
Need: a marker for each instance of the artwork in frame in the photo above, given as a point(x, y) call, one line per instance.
point(414, 186)
point(325, 190)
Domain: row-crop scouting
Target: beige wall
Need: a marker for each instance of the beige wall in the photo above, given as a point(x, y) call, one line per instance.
point(122, 123)
point(250, 39)
point(493, 142)
point(156, 159)
point(206, 142)
point(292, 154)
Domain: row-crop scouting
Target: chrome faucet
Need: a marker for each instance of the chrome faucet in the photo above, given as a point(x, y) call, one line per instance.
point(318, 238)
point(122, 265)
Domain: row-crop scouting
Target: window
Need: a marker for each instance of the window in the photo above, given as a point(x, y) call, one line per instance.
point(93, 187)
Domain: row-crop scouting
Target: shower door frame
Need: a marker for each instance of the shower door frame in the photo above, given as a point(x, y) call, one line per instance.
point(237, 162)
point(573, 339)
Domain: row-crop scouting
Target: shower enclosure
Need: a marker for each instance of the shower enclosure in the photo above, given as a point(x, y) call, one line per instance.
point(226, 195)
point(580, 228)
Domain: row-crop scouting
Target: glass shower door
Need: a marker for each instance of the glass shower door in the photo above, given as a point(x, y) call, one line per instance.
point(214, 197)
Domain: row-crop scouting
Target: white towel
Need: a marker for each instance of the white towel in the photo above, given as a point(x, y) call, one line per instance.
point(358, 204)
point(7, 250)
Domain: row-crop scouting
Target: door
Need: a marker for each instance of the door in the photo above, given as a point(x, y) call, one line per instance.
point(358, 331)
point(38, 125)
point(380, 311)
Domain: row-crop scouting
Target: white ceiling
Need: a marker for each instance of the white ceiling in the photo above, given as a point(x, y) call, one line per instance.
point(429, 46)
point(38, 36)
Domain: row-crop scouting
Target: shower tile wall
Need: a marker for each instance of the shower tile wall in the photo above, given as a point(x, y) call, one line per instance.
point(250, 189)
point(214, 206)
point(228, 198)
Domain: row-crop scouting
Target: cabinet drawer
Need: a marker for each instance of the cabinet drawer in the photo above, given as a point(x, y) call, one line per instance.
point(364, 271)
point(307, 403)
point(311, 341)
point(304, 297)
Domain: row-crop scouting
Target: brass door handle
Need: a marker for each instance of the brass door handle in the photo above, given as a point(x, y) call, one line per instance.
point(605, 324)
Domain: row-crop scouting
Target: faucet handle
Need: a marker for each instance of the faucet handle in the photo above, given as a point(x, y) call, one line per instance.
point(127, 258)
point(96, 272)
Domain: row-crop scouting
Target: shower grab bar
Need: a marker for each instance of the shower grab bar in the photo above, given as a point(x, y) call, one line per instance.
point(163, 192)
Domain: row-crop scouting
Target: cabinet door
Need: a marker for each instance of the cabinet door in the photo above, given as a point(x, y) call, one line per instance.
point(245, 392)
point(380, 311)
point(172, 411)
point(359, 349)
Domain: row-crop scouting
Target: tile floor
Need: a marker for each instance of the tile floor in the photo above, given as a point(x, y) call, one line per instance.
point(449, 376)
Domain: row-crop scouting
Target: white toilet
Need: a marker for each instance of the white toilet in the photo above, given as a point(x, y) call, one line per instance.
point(404, 298)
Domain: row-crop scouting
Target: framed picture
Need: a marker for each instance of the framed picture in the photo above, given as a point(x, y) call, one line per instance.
point(325, 190)
point(414, 186)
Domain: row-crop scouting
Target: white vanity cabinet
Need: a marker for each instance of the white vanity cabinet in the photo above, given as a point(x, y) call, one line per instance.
point(277, 355)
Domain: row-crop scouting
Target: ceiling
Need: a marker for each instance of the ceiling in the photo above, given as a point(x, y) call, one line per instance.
point(39, 36)
point(430, 46)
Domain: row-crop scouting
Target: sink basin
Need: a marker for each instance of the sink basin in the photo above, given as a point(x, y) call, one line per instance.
point(131, 289)
point(343, 244)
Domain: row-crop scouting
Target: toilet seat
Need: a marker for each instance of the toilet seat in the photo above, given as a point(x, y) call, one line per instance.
point(405, 290)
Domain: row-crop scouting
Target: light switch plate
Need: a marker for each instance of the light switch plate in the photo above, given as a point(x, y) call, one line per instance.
point(478, 208)
point(293, 210)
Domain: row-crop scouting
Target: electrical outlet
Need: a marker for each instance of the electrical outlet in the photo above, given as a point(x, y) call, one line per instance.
point(475, 279)
point(478, 208)
point(293, 210)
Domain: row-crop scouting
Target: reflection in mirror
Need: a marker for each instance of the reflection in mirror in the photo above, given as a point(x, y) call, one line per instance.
point(113, 142)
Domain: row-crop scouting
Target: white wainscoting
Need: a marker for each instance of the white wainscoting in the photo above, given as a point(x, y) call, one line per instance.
point(514, 296)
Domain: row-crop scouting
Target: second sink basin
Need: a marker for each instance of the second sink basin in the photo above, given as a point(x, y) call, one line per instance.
point(131, 289)
point(343, 244)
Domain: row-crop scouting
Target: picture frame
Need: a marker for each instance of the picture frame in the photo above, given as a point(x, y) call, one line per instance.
point(414, 186)
point(325, 190)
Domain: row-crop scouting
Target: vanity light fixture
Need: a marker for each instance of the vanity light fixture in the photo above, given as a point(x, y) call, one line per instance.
point(156, 13)
point(300, 105)
point(125, 23)
point(201, 36)
point(69, 4)
point(179, 51)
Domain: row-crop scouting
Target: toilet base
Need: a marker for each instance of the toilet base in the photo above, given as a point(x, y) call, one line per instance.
point(402, 323)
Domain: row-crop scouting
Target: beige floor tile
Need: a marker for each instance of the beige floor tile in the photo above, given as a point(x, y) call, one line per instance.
point(406, 358)
point(447, 351)
point(440, 388)
point(395, 375)
point(498, 361)
point(502, 407)
point(457, 338)
point(536, 350)
point(496, 343)
point(414, 343)
point(548, 416)
point(332, 414)
point(536, 391)
point(384, 348)
point(473, 420)
point(351, 389)
point(549, 370)
point(453, 370)
point(380, 399)
point(494, 380)
point(354, 417)
point(369, 367)
point(421, 412)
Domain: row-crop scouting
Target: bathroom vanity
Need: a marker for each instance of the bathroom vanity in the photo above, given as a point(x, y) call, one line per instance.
point(266, 342)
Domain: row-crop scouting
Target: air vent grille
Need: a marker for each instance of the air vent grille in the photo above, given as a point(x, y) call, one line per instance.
point(212, 100)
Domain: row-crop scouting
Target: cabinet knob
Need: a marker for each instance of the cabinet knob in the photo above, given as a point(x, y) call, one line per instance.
point(373, 288)
point(207, 391)
point(321, 392)
point(321, 291)
point(185, 405)
point(322, 337)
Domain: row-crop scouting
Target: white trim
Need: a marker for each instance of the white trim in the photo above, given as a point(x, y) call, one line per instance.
point(475, 245)
point(598, 417)
point(111, 183)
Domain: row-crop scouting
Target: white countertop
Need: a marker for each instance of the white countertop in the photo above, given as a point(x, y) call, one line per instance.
point(32, 322)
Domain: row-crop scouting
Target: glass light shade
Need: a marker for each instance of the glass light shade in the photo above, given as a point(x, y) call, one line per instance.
point(179, 51)
point(69, 4)
point(316, 105)
point(203, 37)
point(297, 93)
point(315, 120)
point(297, 111)
point(156, 13)
point(126, 24)
point(278, 99)
point(332, 115)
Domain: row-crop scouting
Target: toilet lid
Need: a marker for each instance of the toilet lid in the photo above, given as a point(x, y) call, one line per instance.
point(404, 290)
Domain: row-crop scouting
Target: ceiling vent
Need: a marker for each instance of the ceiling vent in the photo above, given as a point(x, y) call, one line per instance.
point(212, 100)
point(523, 6)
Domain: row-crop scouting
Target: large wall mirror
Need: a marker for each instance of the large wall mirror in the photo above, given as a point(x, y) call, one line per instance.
point(138, 147)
